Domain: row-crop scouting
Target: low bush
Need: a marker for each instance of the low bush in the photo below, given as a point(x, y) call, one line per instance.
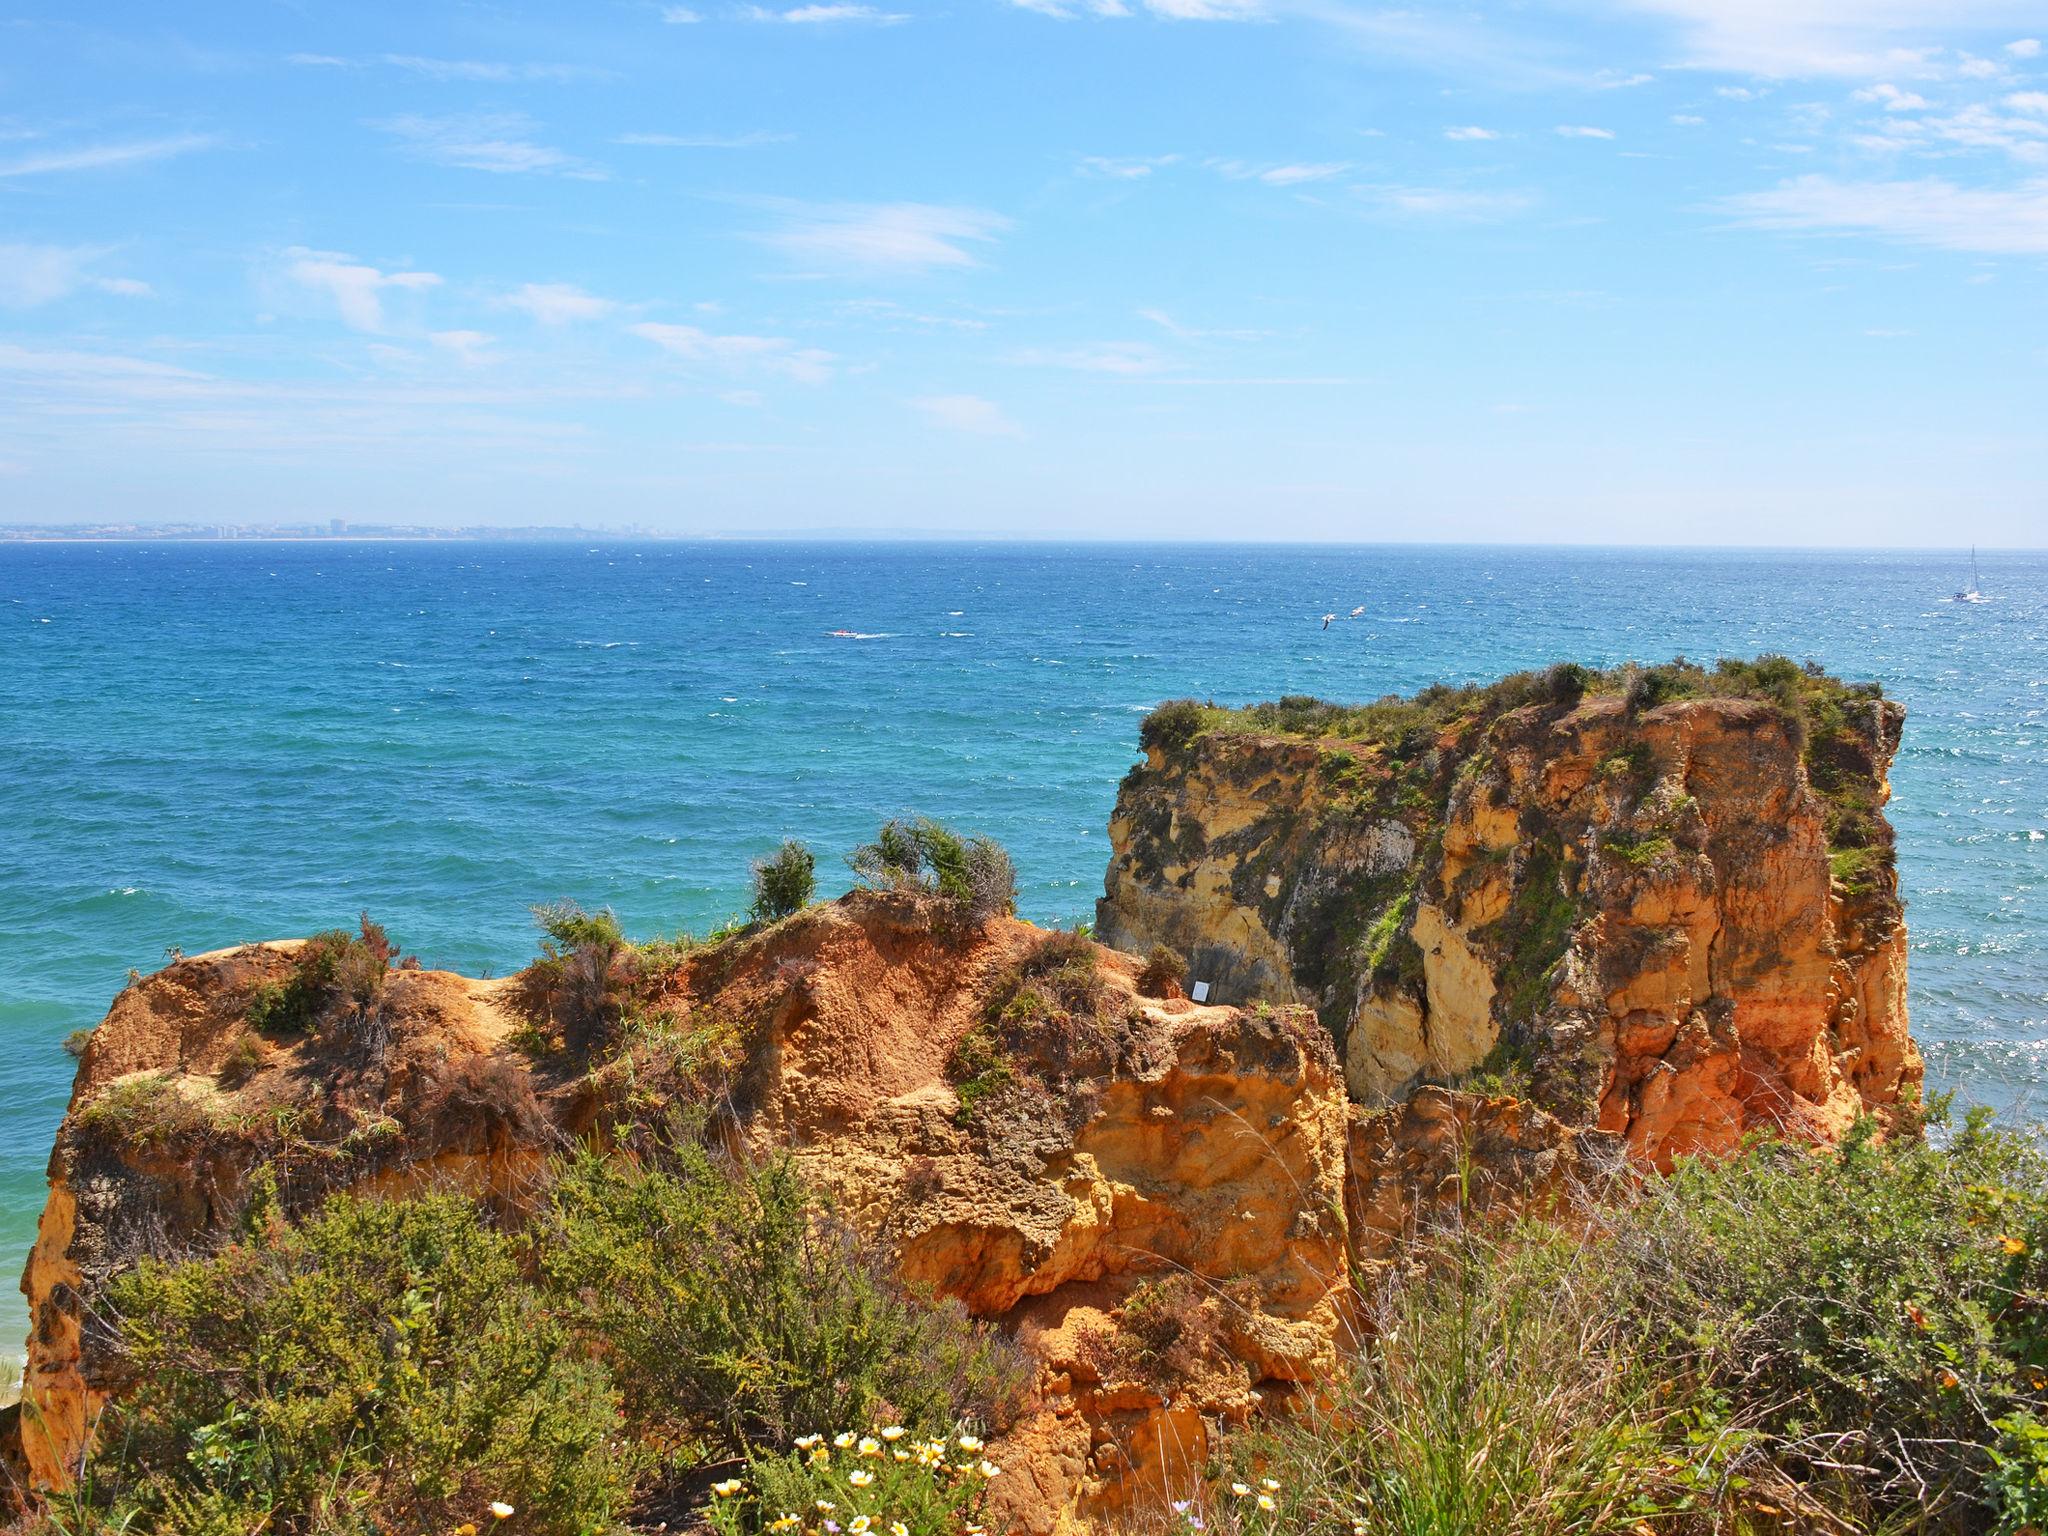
point(732, 1308)
point(336, 973)
point(975, 874)
point(1164, 973)
point(382, 1367)
point(1173, 724)
point(784, 881)
point(1874, 1319)
point(584, 976)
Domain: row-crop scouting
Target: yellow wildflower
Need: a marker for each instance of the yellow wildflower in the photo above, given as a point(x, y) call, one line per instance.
point(2011, 1244)
point(844, 1439)
point(805, 1442)
point(898, 1528)
point(1265, 1502)
point(467, 1528)
point(784, 1523)
point(1269, 1485)
point(894, 1433)
point(860, 1523)
point(860, 1479)
point(825, 1506)
point(989, 1469)
point(728, 1488)
point(820, 1456)
point(1239, 1489)
point(901, 1455)
point(969, 1444)
point(500, 1510)
point(869, 1446)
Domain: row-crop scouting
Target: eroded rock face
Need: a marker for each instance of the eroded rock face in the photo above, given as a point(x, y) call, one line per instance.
point(1204, 1140)
point(1639, 912)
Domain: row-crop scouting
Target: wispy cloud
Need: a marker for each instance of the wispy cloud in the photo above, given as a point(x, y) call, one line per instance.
point(891, 237)
point(557, 303)
point(500, 142)
point(703, 140)
point(1450, 205)
point(1930, 212)
point(1128, 359)
point(774, 355)
point(1126, 168)
point(1581, 131)
point(31, 275)
point(1174, 328)
point(968, 413)
point(827, 15)
point(680, 16)
point(466, 347)
point(97, 157)
point(1805, 38)
point(472, 71)
point(356, 289)
point(1287, 175)
point(1470, 134)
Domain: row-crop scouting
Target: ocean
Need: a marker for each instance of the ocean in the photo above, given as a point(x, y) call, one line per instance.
point(213, 743)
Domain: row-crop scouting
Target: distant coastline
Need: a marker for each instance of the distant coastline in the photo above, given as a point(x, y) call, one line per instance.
point(291, 533)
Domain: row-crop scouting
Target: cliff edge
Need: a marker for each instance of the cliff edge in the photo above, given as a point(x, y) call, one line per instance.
point(1659, 901)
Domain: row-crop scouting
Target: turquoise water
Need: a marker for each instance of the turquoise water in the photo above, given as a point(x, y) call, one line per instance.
point(210, 744)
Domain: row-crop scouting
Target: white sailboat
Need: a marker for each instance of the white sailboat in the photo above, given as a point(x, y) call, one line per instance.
point(1970, 594)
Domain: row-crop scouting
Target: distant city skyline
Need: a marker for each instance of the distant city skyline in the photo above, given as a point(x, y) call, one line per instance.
point(1569, 271)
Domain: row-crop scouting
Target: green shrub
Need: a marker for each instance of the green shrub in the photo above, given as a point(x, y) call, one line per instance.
point(76, 1042)
point(975, 874)
point(784, 881)
point(1873, 1315)
point(331, 972)
point(732, 1307)
point(585, 973)
point(1173, 724)
point(148, 1112)
point(886, 1482)
point(381, 1367)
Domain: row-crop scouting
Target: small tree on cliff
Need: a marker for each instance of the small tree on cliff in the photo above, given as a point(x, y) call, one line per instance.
point(974, 873)
point(784, 881)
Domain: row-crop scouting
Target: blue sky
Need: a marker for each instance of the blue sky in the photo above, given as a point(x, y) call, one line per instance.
point(1660, 271)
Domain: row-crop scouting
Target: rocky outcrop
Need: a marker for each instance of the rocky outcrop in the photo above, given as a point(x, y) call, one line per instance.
point(1165, 1139)
point(1676, 924)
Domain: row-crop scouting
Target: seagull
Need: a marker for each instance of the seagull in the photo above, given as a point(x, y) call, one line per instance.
point(1358, 610)
point(1327, 618)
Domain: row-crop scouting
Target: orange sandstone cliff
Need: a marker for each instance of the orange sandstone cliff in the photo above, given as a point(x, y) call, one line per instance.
point(1642, 928)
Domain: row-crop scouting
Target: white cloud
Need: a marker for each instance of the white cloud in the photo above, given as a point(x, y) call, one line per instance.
point(40, 274)
point(1066, 12)
point(1173, 327)
point(1123, 169)
point(703, 140)
point(356, 288)
point(901, 237)
point(467, 346)
point(827, 15)
point(2029, 101)
point(1469, 135)
point(1931, 212)
point(499, 142)
point(1454, 205)
point(1278, 175)
point(1126, 359)
point(2024, 48)
point(968, 413)
point(776, 355)
point(679, 16)
point(488, 72)
point(1206, 10)
point(95, 157)
point(1688, 120)
point(1580, 131)
point(1892, 99)
point(1786, 39)
point(558, 303)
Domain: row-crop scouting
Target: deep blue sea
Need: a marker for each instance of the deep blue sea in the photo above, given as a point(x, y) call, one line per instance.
point(204, 744)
